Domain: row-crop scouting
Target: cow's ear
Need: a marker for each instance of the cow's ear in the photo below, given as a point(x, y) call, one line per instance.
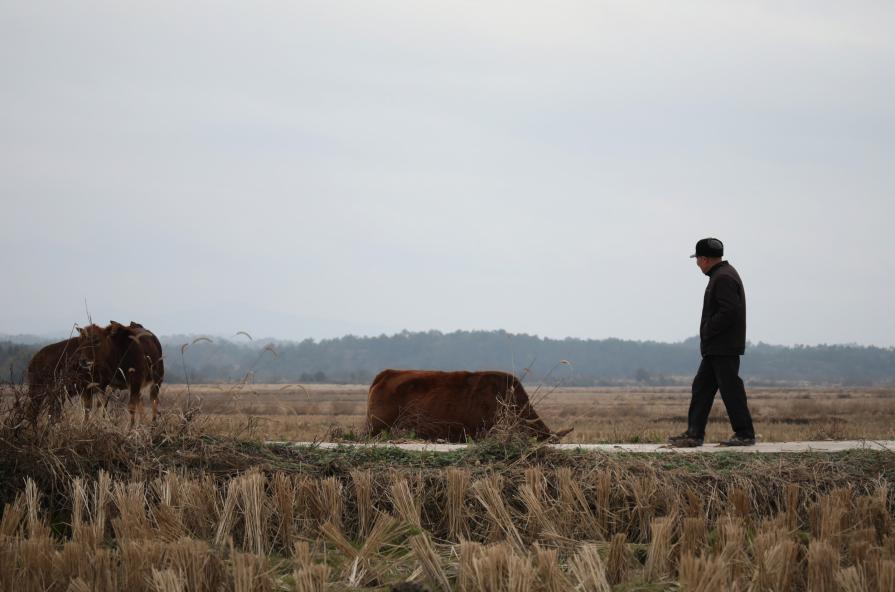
point(82, 331)
point(114, 328)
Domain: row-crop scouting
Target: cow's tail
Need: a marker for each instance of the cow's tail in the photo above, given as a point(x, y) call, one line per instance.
point(158, 371)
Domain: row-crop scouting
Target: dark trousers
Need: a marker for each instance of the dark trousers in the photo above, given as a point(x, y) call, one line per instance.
point(719, 373)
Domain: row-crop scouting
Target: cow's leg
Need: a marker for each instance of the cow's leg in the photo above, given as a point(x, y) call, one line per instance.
point(39, 397)
point(377, 424)
point(153, 396)
point(104, 400)
point(87, 400)
point(134, 404)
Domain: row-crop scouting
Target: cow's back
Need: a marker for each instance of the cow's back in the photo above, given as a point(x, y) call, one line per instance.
point(438, 405)
point(54, 363)
point(139, 354)
point(151, 349)
point(53, 373)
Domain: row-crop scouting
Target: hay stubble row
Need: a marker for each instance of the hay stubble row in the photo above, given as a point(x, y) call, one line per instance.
point(181, 505)
point(541, 528)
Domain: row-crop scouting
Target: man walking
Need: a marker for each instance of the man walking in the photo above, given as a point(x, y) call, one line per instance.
point(722, 340)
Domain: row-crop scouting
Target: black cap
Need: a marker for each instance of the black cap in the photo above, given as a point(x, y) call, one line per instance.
point(709, 247)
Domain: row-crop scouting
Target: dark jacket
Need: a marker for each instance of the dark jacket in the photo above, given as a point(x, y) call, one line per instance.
point(722, 331)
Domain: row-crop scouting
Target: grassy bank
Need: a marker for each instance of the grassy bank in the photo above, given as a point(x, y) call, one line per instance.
point(90, 505)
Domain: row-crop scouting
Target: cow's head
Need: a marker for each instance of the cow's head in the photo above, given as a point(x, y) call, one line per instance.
point(542, 432)
point(90, 339)
point(560, 434)
point(95, 344)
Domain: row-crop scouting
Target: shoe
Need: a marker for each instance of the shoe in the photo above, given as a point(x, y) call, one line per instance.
point(738, 441)
point(685, 440)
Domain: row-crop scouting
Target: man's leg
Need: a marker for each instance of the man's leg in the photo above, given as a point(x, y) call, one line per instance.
point(733, 393)
point(705, 386)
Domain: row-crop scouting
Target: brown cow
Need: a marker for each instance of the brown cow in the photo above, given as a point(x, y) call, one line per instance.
point(118, 356)
point(123, 358)
point(448, 405)
point(53, 374)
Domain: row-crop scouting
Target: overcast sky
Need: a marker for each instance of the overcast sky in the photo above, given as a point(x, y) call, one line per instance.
point(310, 169)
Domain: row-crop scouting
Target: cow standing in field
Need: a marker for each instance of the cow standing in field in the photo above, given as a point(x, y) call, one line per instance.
point(448, 405)
point(123, 357)
point(54, 374)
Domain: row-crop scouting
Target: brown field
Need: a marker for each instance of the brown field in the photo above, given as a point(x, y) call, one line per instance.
point(198, 502)
point(599, 415)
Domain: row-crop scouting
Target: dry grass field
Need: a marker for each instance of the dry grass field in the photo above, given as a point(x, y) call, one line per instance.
point(198, 501)
point(599, 415)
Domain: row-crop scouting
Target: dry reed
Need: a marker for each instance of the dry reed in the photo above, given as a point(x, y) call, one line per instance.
point(618, 559)
point(363, 496)
point(588, 569)
point(702, 574)
point(659, 559)
point(429, 562)
point(457, 485)
point(823, 561)
point(405, 502)
point(488, 493)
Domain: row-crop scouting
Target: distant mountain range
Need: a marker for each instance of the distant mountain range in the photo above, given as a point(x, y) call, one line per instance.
point(29, 339)
point(352, 359)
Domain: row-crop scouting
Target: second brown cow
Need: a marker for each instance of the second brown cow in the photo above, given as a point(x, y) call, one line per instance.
point(123, 357)
point(451, 406)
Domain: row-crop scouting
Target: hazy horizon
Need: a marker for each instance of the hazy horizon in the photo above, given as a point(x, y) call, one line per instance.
point(245, 338)
point(315, 169)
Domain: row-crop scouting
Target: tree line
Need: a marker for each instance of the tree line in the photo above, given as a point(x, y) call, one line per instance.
point(574, 362)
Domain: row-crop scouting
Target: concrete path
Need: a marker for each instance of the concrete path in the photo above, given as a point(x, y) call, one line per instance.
point(762, 447)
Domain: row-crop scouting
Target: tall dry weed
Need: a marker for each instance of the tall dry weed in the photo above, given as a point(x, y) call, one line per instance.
point(228, 514)
point(495, 568)
point(405, 502)
point(35, 525)
point(589, 570)
point(13, 516)
point(659, 558)
point(429, 562)
point(540, 520)
point(733, 549)
point(618, 559)
point(328, 501)
point(604, 484)
point(550, 576)
point(793, 506)
point(167, 580)
point(360, 567)
point(885, 575)
point(823, 562)
point(643, 490)
point(574, 504)
point(251, 573)
point(521, 574)
point(71, 561)
point(253, 505)
point(457, 487)
point(776, 566)
point(702, 573)
point(132, 522)
point(488, 492)
point(196, 563)
point(311, 578)
point(693, 535)
point(362, 480)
